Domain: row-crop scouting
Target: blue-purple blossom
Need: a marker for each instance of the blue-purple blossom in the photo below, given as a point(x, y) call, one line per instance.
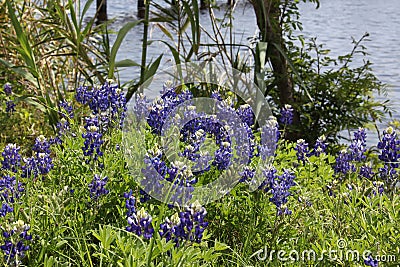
point(7, 89)
point(390, 146)
point(280, 191)
point(66, 109)
point(366, 171)
point(247, 174)
point(370, 261)
point(269, 174)
point(43, 163)
point(216, 95)
point(108, 102)
point(11, 158)
point(130, 203)
point(141, 108)
point(343, 163)
point(245, 112)
point(188, 225)
point(302, 151)
point(10, 106)
point(160, 109)
point(41, 145)
point(358, 145)
point(93, 139)
point(16, 239)
point(10, 190)
point(97, 187)
point(320, 146)
point(139, 222)
point(269, 139)
point(195, 131)
point(286, 115)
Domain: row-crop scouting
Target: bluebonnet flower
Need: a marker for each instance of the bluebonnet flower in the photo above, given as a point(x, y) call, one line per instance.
point(343, 163)
point(370, 261)
point(390, 146)
point(10, 106)
point(302, 151)
point(188, 225)
point(139, 222)
point(144, 196)
point(379, 188)
point(9, 191)
point(43, 162)
point(286, 115)
point(280, 191)
point(11, 158)
point(245, 112)
point(358, 145)
point(41, 145)
point(269, 139)
point(162, 107)
point(67, 107)
point(154, 172)
point(93, 139)
point(141, 109)
point(320, 146)
point(63, 127)
point(107, 101)
point(366, 171)
point(130, 203)
point(195, 131)
point(15, 242)
point(216, 95)
point(180, 173)
point(97, 187)
point(7, 89)
point(247, 175)
point(269, 175)
point(354, 153)
point(223, 156)
point(29, 168)
point(83, 95)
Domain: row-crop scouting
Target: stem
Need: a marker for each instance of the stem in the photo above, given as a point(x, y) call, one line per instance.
point(150, 251)
point(145, 43)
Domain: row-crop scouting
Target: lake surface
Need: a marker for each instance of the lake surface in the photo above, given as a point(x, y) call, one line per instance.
point(334, 23)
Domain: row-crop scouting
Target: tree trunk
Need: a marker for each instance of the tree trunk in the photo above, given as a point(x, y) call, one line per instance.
point(268, 15)
point(101, 13)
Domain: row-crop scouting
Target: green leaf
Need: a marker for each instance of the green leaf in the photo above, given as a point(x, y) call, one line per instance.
point(22, 72)
point(126, 63)
point(150, 71)
point(114, 50)
point(25, 50)
point(218, 246)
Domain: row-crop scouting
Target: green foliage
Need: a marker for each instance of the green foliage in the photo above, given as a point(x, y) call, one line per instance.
point(339, 95)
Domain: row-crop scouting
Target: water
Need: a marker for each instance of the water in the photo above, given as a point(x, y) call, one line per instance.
point(334, 23)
